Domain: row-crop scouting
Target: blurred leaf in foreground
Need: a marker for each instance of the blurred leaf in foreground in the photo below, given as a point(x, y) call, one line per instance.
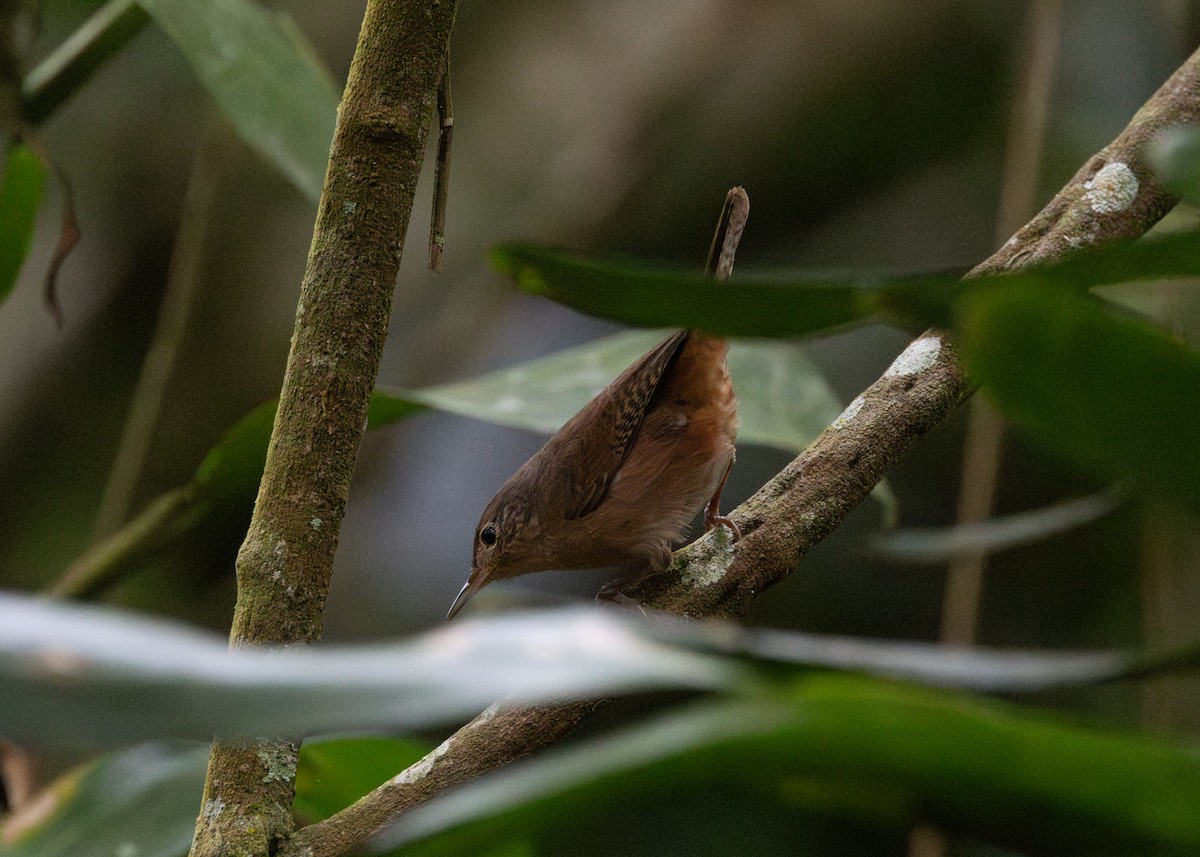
point(264, 76)
point(75, 675)
point(866, 751)
point(1115, 395)
point(140, 802)
point(84, 675)
point(143, 801)
point(645, 296)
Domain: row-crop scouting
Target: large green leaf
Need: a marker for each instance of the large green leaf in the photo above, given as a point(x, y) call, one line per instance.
point(790, 304)
point(1114, 394)
point(20, 196)
point(140, 802)
point(265, 78)
point(645, 296)
point(871, 752)
point(783, 400)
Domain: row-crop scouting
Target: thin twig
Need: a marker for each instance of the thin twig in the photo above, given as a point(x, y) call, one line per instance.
point(182, 282)
point(441, 176)
point(68, 67)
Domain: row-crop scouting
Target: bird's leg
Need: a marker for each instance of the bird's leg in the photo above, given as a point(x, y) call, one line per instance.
point(712, 512)
point(635, 574)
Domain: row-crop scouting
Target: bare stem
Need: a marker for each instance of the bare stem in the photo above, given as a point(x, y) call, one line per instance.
point(138, 431)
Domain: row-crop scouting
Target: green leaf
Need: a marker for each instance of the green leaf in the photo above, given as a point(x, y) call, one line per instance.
point(334, 773)
point(1112, 394)
point(1173, 304)
point(140, 802)
point(876, 753)
point(233, 468)
point(637, 294)
point(783, 400)
point(20, 196)
point(265, 78)
point(795, 303)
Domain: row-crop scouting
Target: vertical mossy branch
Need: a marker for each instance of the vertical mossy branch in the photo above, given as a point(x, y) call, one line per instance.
point(284, 565)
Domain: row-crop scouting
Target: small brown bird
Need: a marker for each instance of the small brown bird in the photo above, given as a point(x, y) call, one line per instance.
point(617, 486)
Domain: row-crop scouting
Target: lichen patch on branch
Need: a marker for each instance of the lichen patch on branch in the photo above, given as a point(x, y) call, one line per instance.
point(918, 357)
point(710, 567)
point(1112, 189)
point(422, 768)
point(278, 761)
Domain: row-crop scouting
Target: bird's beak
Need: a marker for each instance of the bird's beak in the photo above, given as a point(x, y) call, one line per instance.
point(474, 583)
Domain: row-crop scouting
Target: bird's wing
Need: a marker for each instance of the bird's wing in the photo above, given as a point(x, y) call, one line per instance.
point(608, 426)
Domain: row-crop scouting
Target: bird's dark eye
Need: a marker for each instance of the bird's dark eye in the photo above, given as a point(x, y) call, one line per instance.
point(488, 535)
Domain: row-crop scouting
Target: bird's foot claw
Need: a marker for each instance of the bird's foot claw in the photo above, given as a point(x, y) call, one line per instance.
point(713, 521)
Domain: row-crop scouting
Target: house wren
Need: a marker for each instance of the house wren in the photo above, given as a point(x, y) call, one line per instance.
point(618, 484)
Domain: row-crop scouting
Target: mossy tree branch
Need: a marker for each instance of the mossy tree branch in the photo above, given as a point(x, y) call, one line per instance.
point(814, 493)
point(285, 563)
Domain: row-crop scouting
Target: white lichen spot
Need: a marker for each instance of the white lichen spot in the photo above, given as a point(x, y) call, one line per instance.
point(350, 207)
point(315, 523)
point(1112, 189)
point(709, 568)
point(918, 357)
point(847, 415)
point(278, 761)
point(213, 809)
point(421, 769)
point(126, 849)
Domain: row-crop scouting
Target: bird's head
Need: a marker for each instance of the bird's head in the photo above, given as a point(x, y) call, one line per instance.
point(507, 544)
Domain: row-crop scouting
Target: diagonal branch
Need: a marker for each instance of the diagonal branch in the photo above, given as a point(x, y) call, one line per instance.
point(285, 563)
point(1113, 196)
